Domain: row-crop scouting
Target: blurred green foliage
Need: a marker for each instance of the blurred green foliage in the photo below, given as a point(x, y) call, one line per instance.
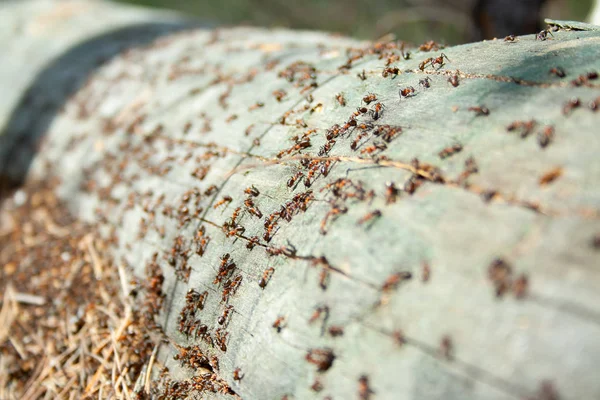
point(446, 21)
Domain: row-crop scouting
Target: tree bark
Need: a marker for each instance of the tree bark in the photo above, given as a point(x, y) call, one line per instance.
point(438, 245)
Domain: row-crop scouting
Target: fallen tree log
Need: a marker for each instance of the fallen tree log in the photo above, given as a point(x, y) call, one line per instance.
point(308, 215)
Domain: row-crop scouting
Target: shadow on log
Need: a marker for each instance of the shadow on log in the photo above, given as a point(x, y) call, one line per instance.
point(87, 48)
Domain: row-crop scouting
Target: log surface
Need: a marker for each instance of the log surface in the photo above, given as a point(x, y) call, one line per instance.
point(160, 137)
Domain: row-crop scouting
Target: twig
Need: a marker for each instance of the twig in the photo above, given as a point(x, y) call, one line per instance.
point(96, 264)
point(149, 371)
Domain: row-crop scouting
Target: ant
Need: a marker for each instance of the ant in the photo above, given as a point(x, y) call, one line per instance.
point(364, 390)
point(324, 170)
point(426, 83)
point(311, 173)
point(201, 241)
point(432, 61)
point(446, 347)
point(336, 331)
point(369, 216)
point(279, 323)
point(499, 273)
point(449, 151)
point(510, 39)
point(584, 79)
point(545, 136)
point(391, 192)
point(225, 269)
point(322, 358)
point(279, 94)
point(214, 363)
point(527, 127)
point(236, 375)
point(390, 71)
point(340, 99)
point(323, 278)
point(411, 185)
point(404, 55)
point(520, 286)
point(224, 317)
point(268, 234)
point(372, 149)
point(430, 45)
point(252, 208)
point(210, 190)
point(354, 144)
point(425, 272)
point(221, 338)
point(558, 71)
point(317, 313)
point(407, 92)
point(288, 251)
point(393, 280)
point(258, 104)
point(334, 212)
point(231, 286)
point(292, 181)
point(470, 167)
point(543, 35)
point(369, 98)
point(571, 105)
point(252, 242)
point(326, 148)
point(454, 80)
point(235, 216)
point(238, 230)
point(392, 58)
point(252, 191)
point(317, 386)
point(388, 132)
point(361, 110)
point(480, 111)
point(377, 111)
point(226, 199)
point(266, 277)
point(196, 298)
point(399, 337)
point(364, 126)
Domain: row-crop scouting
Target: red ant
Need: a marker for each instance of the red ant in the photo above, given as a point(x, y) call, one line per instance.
point(454, 80)
point(369, 98)
point(543, 35)
point(432, 61)
point(558, 71)
point(368, 217)
point(390, 71)
point(377, 111)
point(482, 110)
point(226, 199)
point(407, 91)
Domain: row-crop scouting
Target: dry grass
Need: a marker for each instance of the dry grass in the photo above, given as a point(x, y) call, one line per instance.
point(69, 328)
